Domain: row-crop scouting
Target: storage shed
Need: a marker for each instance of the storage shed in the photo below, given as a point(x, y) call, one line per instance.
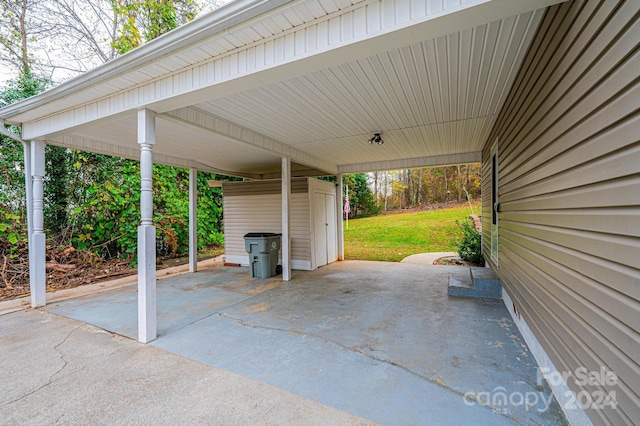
point(256, 206)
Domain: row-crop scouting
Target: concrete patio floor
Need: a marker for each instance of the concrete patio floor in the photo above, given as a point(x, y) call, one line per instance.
point(56, 370)
point(382, 341)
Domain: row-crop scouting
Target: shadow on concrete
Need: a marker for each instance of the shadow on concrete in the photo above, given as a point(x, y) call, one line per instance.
point(380, 340)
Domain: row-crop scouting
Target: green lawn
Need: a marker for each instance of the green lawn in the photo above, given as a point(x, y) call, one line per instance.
point(393, 237)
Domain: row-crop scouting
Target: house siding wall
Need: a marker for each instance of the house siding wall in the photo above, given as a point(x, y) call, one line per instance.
point(257, 207)
point(569, 190)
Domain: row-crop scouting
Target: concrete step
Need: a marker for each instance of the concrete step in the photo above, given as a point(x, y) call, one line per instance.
point(482, 283)
point(461, 286)
point(486, 283)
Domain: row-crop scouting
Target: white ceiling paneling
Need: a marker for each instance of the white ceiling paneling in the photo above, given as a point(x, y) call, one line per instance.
point(174, 139)
point(414, 142)
point(437, 97)
point(213, 149)
point(194, 117)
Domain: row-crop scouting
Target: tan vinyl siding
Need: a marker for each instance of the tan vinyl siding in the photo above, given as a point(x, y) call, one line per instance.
point(263, 213)
point(240, 218)
point(300, 227)
point(569, 187)
point(263, 187)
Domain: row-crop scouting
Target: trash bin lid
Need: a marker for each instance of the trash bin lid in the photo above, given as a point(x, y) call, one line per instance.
point(261, 234)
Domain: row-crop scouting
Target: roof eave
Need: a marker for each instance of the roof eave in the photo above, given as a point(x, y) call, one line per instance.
point(214, 22)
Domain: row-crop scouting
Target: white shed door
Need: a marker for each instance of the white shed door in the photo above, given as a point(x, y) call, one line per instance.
point(326, 239)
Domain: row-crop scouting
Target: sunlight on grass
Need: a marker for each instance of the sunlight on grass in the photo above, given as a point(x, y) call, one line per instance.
point(393, 237)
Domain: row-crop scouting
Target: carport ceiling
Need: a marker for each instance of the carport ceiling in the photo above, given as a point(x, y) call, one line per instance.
point(433, 98)
point(432, 81)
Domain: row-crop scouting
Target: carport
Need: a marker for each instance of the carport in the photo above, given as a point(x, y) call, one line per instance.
point(275, 89)
point(545, 96)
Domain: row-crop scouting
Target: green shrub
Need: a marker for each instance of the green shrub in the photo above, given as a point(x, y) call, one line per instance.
point(470, 247)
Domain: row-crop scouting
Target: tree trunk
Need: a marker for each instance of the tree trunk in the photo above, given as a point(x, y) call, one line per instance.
point(409, 189)
point(26, 66)
point(375, 186)
point(403, 182)
point(386, 181)
point(446, 187)
point(419, 196)
point(466, 180)
point(459, 183)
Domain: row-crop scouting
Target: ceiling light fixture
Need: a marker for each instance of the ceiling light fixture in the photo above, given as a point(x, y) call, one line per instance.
point(377, 138)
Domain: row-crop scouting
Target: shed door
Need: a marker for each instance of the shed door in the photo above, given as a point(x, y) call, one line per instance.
point(326, 240)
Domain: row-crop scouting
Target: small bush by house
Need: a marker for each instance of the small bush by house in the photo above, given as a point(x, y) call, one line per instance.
point(470, 247)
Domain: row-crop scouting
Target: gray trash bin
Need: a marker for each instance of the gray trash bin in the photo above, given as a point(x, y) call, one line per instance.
point(263, 253)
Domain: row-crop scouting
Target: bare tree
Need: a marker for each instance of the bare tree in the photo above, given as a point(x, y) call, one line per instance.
point(55, 38)
point(82, 33)
point(459, 182)
point(386, 183)
point(446, 185)
point(20, 26)
point(420, 186)
point(375, 186)
point(62, 38)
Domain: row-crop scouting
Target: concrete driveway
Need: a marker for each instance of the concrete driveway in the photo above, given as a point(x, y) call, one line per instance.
point(61, 371)
point(372, 340)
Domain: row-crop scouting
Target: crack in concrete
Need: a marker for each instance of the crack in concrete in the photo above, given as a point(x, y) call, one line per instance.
point(56, 347)
point(336, 343)
point(50, 379)
point(224, 308)
point(357, 350)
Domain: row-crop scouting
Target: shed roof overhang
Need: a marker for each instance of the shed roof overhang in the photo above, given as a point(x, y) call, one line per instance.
point(312, 80)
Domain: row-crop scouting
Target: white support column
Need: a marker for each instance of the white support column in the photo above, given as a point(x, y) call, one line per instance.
point(340, 213)
point(37, 243)
point(286, 239)
point(193, 220)
point(147, 329)
point(28, 184)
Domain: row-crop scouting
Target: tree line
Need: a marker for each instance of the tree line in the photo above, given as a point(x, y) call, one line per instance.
point(372, 193)
point(408, 188)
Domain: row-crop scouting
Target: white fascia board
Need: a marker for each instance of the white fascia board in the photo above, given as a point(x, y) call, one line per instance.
point(196, 117)
point(412, 163)
point(99, 147)
point(306, 48)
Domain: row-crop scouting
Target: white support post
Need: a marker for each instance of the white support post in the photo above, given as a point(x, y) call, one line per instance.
point(193, 220)
point(286, 239)
point(147, 328)
point(340, 213)
point(28, 183)
point(37, 243)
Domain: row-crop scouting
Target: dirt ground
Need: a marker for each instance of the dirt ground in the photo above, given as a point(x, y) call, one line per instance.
point(452, 261)
point(69, 268)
